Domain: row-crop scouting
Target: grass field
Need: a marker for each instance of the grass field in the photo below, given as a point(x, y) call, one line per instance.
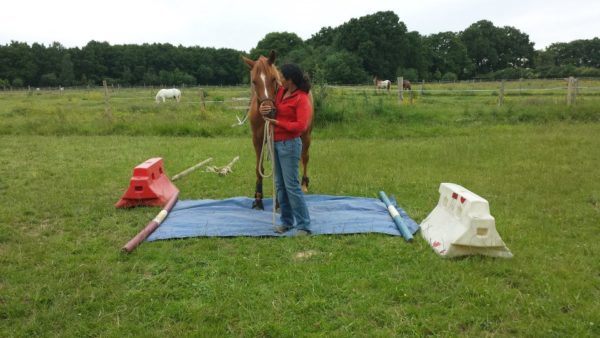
point(65, 163)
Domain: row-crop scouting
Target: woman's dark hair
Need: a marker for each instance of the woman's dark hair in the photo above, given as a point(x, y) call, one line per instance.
point(292, 71)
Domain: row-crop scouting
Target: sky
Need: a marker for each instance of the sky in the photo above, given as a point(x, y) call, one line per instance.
point(241, 25)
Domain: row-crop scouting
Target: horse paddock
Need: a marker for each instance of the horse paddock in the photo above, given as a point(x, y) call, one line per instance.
point(66, 162)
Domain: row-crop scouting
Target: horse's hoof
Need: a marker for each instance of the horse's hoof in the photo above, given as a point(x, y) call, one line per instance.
point(305, 183)
point(258, 205)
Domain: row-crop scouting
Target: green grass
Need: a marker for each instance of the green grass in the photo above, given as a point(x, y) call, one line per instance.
point(346, 112)
point(62, 274)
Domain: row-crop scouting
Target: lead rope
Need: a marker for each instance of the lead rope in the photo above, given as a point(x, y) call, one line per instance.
point(268, 141)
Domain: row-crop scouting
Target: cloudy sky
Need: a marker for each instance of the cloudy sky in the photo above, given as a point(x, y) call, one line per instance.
point(241, 24)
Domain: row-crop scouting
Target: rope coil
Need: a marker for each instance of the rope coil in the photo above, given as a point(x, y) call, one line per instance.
point(268, 137)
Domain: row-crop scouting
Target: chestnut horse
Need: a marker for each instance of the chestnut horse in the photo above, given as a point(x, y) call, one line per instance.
point(265, 80)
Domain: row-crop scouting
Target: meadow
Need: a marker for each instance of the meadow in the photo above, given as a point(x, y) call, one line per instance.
point(67, 158)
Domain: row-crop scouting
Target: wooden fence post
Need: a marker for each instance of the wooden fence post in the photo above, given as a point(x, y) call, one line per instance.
point(202, 103)
point(571, 91)
point(422, 85)
point(501, 96)
point(574, 91)
point(107, 111)
point(400, 89)
point(521, 86)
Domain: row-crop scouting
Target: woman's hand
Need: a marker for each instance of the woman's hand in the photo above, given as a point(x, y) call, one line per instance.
point(265, 108)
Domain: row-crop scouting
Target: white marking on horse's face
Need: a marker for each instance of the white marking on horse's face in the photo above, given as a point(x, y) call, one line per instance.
point(264, 80)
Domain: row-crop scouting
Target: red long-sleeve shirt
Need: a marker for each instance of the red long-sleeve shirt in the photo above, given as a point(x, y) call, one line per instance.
point(293, 114)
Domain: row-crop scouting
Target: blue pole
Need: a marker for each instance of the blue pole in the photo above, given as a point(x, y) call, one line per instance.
point(396, 217)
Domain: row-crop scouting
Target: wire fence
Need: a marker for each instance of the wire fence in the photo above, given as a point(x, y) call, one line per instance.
point(238, 97)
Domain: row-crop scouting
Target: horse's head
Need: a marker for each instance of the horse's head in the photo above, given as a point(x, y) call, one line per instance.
point(264, 78)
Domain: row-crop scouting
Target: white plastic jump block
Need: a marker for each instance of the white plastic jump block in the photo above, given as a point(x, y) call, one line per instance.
point(461, 225)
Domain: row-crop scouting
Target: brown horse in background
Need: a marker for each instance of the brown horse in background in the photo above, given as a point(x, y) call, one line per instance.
point(265, 80)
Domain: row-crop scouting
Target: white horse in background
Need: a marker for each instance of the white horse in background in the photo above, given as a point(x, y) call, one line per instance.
point(167, 94)
point(379, 84)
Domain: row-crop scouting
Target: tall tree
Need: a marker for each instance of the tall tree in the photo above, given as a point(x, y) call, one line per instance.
point(516, 51)
point(579, 53)
point(378, 39)
point(481, 40)
point(344, 67)
point(448, 54)
point(492, 48)
point(416, 57)
point(326, 36)
point(92, 62)
point(282, 42)
point(67, 75)
point(17, 64)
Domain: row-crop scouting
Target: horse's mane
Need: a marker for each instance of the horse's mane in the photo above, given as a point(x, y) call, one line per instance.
point(262, 64)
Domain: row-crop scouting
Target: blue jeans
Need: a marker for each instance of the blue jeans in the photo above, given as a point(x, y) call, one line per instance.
point(289, 193)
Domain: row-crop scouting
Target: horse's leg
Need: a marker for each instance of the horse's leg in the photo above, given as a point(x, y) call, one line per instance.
point(304, 158)
point(258, 192)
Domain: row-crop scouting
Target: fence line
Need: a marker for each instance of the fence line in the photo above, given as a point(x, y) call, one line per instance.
point(464, 90)
point(146, 98)
point(376, 90)
point(110, 95)
point(116, 87)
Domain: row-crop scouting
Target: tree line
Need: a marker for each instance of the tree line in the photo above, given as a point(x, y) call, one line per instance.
point(354, 52)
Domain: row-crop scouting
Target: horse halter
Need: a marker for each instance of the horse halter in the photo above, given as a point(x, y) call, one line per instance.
point(273, 111)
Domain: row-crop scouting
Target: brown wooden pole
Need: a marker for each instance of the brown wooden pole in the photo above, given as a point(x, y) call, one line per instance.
point(501, 96)
point(401, 89)
point(107, 111)
point(574, 90)
point(202, 103)
point(570, 91)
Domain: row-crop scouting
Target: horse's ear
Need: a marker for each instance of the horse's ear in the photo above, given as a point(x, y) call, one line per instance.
point(249, 62)
point(272, 56)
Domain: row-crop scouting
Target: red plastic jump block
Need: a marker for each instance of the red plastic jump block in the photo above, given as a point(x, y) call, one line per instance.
point(149, 186)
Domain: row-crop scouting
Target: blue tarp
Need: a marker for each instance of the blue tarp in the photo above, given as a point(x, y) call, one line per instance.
point(235, 217)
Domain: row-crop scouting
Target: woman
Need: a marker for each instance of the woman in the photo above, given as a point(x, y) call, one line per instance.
point(293, 113)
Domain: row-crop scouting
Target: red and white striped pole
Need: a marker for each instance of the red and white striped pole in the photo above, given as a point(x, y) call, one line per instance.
point(149, 229)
